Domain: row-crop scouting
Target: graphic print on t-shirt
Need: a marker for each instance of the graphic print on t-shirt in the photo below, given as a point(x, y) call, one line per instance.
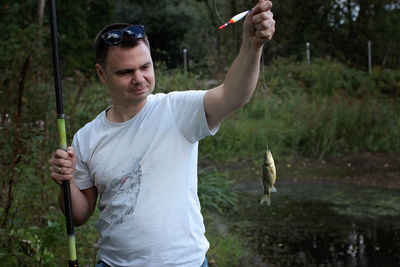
point(121, 196)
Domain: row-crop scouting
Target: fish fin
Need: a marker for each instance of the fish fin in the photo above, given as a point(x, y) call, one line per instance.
point(273, 190)
point(266, 198)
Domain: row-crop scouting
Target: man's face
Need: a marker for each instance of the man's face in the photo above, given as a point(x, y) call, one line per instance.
point(129, 74)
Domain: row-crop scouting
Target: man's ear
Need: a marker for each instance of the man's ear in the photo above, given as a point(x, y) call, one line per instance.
point(101, 73)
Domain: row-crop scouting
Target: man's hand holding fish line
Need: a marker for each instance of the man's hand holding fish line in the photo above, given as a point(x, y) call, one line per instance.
point(242, 77)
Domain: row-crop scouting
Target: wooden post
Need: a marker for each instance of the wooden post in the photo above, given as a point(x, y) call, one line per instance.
point(184, 60)
point(369, 56)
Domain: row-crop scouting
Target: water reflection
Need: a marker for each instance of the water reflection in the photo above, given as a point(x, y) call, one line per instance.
point(314, 235)
point(354, 247)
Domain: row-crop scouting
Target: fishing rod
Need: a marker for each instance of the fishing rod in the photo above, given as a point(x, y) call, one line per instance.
point(73, 261)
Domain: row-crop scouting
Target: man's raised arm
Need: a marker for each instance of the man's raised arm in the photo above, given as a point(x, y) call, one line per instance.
point(242, 77)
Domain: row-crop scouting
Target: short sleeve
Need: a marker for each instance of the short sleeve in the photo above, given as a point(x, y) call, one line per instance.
point(188, 111)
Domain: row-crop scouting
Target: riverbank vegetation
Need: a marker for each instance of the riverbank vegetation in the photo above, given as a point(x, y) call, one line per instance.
point(311, 110)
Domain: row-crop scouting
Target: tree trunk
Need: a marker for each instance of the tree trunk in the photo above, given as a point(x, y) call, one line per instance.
point(41, 6)
point(17, 142)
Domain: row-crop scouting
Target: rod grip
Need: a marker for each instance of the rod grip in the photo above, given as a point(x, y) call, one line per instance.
point(70, 224)
point(68, 207)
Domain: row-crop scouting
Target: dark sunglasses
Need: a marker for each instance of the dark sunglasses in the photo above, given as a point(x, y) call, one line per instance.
point(114, 37)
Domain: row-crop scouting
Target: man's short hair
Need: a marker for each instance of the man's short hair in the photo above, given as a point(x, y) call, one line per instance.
point(101, 48)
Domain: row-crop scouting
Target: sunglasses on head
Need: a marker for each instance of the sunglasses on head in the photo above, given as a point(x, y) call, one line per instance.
point(114, 37)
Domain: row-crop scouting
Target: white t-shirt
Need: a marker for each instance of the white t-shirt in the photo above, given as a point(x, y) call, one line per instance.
point(145, 170)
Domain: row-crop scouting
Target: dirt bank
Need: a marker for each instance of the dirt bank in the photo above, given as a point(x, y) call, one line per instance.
point(380, 170)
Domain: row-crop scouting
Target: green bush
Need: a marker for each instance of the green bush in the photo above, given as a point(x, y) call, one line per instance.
point(215, 191)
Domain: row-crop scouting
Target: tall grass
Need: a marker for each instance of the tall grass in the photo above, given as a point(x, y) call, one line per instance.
point(214, 190)
point(313, 110)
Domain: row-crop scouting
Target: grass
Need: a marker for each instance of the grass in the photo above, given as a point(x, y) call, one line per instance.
point(312, 110)
point(226, 248)
point(215, 192)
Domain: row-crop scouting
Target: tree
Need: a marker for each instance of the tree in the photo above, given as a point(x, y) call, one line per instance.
point(166, 23)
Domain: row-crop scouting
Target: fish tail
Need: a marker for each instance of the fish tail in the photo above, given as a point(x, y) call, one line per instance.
point(266, 198)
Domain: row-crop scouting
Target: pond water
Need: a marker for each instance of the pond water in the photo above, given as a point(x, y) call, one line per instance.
point(319, 222)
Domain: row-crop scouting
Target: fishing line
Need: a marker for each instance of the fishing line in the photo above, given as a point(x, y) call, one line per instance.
point(268, 125)
point(216, 11)
point(263, 70)
point(265, 93)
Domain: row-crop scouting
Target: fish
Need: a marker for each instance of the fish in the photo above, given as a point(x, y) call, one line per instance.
point(268, 177)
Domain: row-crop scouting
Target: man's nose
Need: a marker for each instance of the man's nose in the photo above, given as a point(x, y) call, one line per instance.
point(137, 77)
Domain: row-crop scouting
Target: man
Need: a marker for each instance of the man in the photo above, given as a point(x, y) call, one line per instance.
point(140, 154)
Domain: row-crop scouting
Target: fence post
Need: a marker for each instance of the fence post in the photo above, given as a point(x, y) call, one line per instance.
point(308, 52)
point(369, 56)
point(184, 60)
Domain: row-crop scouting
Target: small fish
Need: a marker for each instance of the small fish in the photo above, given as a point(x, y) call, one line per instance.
point(268, 177)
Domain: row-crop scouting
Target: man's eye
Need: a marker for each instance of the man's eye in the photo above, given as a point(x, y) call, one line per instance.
point(146, 67)
point(124, 72)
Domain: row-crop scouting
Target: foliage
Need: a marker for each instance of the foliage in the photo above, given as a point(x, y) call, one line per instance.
point(314, 110)
point(227, 248)
point(214, 190)
point(31, 246)
point(163, 25)
point(78, 24)
point(175, 80)
point(339, 29)
point(344, 26)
